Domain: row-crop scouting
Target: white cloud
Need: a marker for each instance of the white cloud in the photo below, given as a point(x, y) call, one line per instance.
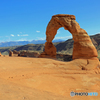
point(58, 32)
point(23, 35)
point(38, 38)
point(64, 38)
point(37, 31)
point(12, 35)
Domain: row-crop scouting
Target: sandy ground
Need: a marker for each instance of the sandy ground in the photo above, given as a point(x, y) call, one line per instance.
point(45, 79)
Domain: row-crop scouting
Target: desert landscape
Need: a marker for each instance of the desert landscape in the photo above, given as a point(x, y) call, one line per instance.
point(43, 77)
point(46, 79)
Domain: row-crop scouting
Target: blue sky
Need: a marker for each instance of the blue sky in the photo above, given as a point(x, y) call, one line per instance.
point(28, 19)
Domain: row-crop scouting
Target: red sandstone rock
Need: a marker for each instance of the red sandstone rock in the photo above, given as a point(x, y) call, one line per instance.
point(50, 50)
point(29, 54)
point(46, 79)
point(83, 46)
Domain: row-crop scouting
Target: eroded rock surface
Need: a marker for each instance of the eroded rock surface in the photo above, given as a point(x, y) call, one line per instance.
point(46, 79)
point(50, 51)
point(16, 52)
point(29, 54)
point(83, 46)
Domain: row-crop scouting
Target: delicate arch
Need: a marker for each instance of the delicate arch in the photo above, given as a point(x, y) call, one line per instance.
point(83, 47)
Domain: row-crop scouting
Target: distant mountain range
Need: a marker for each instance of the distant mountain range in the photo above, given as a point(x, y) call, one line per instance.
point(63, 47)
point(18, 43)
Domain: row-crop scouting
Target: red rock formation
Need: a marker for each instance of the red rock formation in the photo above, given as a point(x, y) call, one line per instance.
point(16, 52)
point(50, 50)
point(83, 46)
point(29, 54)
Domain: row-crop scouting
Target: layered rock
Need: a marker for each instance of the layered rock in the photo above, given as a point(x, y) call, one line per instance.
point(23, 53)
point(83, 46)
point(16, 52)
point(29, 54)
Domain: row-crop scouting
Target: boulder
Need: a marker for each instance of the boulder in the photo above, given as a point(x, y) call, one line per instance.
point(50, 50)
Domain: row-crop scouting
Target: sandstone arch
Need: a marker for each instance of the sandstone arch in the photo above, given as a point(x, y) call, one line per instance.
point(83, 47)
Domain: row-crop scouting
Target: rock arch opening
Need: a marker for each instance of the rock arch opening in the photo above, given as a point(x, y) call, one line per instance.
point(83, 46)
point(63, 35)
